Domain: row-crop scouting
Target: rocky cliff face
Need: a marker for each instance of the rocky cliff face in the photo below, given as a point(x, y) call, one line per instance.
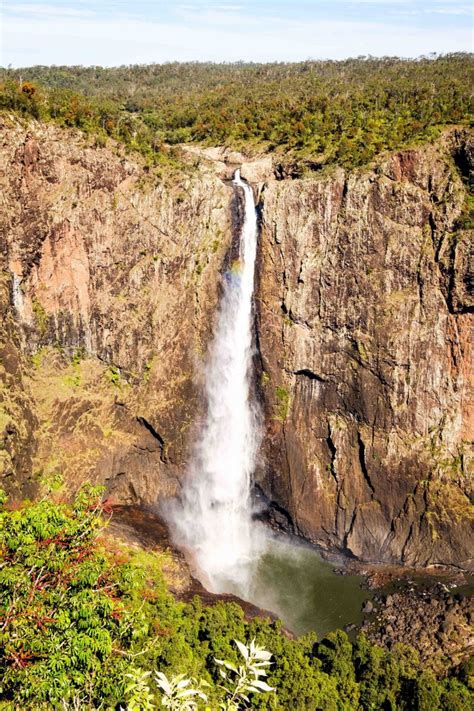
point(110, 279)
point(365, 331)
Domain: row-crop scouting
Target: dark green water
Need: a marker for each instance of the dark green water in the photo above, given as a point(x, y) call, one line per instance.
point(295, 583)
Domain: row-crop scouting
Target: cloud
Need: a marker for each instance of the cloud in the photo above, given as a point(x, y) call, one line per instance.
point(212, 6)
point(455, 10)
point(415, 7)
point(376, 2)
point(212, 17)
point(54, 11)
point(452, 11)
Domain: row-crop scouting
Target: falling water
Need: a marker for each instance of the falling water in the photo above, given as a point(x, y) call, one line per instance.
point(214, 519)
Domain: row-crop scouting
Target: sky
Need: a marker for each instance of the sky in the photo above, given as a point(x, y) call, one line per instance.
point(117, 32)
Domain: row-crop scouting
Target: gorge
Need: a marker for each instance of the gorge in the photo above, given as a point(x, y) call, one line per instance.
point(364, 313)
point(237, 372)
point(146, 335)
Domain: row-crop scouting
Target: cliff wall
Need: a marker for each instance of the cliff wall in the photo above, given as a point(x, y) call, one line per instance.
point(110, 279)
point(110, 282)
point(365, 308)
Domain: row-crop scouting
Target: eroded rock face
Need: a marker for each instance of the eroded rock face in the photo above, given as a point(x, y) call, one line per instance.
point(17, 419)
point(110, 265)
point(365, 334)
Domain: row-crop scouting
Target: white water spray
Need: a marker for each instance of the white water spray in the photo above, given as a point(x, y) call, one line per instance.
point(214, 519)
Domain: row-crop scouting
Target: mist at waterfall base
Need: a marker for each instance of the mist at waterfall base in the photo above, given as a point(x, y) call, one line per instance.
point(212, 522)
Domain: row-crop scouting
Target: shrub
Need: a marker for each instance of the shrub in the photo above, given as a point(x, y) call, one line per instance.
point(88, 626)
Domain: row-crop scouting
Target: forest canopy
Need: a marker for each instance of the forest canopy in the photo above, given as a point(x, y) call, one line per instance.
point(319, 112)
point(86, 620)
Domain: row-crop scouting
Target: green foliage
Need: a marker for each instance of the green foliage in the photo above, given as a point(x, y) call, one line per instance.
point(314, 113)
point(335, 655)
point(147, 369)
point(87, 625)
point(241, 681)
point(178, 694)
point(52, 483)
point(466, 220)
point(113, 375)
point(41, 317)
point(137, 692)
point(181, 694)
point(283, 403)
point(264, 379)
point(49, 646)
point(78, 356)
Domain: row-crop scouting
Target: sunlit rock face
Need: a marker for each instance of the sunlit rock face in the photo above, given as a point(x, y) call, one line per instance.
point(365, 329)
point(107, 262)
point(111, 276)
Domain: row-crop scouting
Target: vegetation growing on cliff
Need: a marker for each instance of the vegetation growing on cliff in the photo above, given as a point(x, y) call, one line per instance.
point(318, 112)
point(283, 403)
point(84, 625)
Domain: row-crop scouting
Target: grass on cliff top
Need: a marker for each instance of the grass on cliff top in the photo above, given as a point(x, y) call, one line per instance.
point(79, 619)
point(313, 113)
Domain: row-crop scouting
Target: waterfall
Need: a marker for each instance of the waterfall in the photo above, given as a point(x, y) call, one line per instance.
point(214, 518)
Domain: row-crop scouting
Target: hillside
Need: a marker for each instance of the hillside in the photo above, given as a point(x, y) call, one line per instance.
point(312, 113)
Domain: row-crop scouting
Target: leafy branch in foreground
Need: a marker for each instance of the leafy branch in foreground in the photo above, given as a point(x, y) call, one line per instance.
point(178, 694)
point(246, 678)
point(182, 694)
point(137, 691)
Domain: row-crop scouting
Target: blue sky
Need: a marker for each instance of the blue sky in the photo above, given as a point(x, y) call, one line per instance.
point(113, 32)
